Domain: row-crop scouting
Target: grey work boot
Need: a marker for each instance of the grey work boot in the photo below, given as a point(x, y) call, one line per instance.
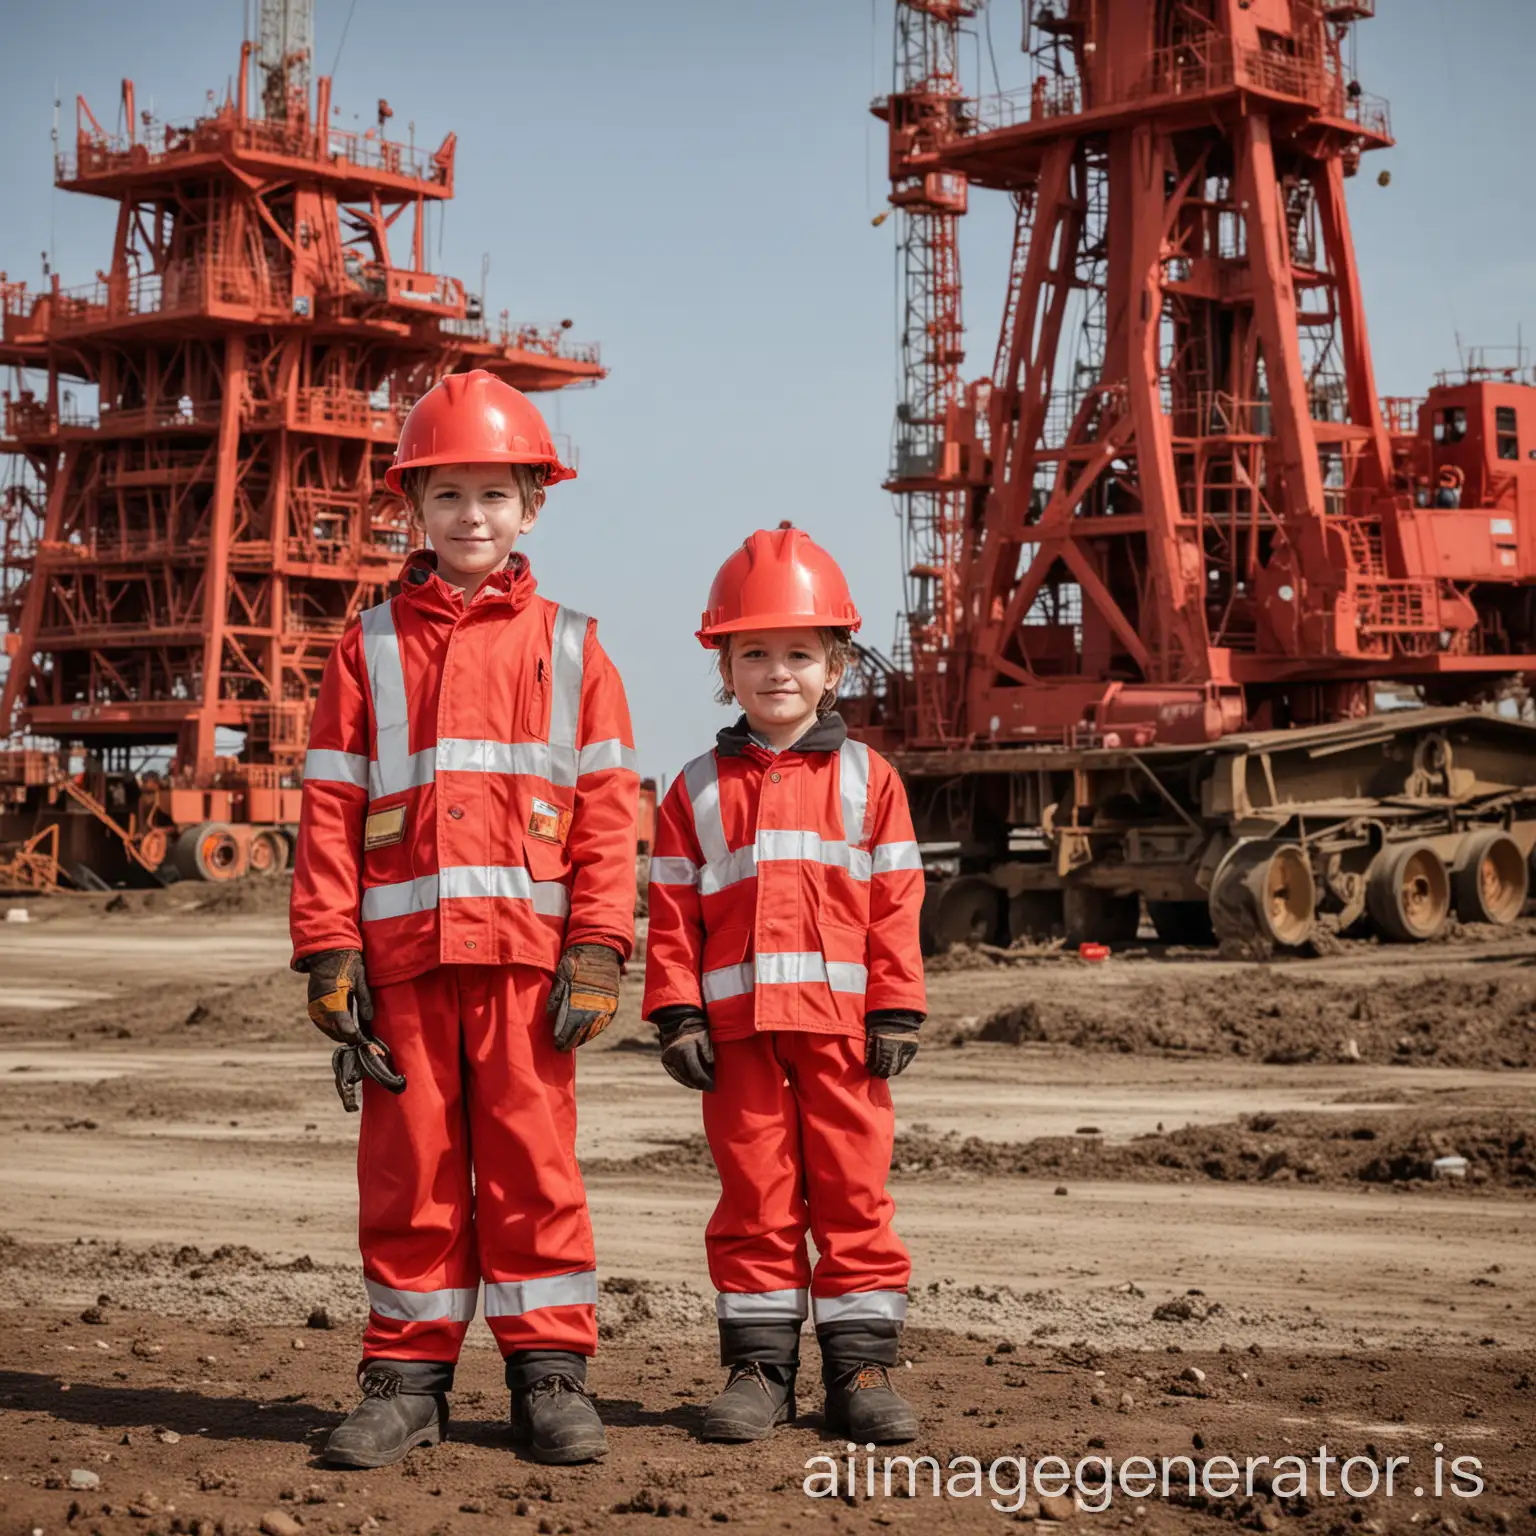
point(404, 1405)
point(862, 1405)
point(551, 1408)
point(760, 1392)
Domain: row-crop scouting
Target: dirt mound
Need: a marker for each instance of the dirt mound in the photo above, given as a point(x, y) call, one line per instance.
point(1267, 1015)
point(269, 1006)
point(1500, 1150)
point(252, 898)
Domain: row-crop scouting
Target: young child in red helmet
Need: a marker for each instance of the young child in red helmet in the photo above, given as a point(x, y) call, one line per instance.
point(465, 885)
point(784, 975)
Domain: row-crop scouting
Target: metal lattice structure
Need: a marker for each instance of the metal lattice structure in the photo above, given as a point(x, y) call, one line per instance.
point(1178, 505)
point(192, 505)
point(1163, 561)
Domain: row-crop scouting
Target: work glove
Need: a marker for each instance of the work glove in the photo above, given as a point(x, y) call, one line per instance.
point(585, 994)
point(337, 987)
point(687, 1053)
point(890, 1040)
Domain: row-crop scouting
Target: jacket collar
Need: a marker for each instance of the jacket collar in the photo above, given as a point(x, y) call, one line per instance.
point(827, 735)
point(510, 588)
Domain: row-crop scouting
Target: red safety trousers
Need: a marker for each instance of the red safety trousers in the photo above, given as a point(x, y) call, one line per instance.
point(801, 1135)
point(471, 1173)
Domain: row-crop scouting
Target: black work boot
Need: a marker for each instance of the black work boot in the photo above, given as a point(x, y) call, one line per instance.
point(404, 1405)
point(760, 1392)
point(862, 1405)
point(551, 1409)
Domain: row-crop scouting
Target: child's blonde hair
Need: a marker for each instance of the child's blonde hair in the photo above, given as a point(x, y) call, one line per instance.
point(838, 643)
point(529, 478)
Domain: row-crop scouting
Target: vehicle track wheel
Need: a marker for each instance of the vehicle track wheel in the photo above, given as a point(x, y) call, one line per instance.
point(1491, 878)
point(208, 851)
point(1264, 890)
point(1100, 917)
point(967, 912)
point(269, 853)
point(1409, 894)
point(1034, 917)
point(1182, 922)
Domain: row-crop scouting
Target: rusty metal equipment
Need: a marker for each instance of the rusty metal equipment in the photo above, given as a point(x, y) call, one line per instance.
point(192, 500)
point(1164, 560)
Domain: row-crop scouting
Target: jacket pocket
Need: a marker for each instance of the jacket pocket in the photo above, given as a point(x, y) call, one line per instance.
point(546, 862)
point(727, 964)
point(846, 953)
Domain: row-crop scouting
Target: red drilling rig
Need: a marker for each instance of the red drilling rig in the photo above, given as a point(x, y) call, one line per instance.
point(192, 501)
point(1166, 559)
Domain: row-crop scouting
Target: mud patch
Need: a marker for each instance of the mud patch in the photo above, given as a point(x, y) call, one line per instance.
point(267, 1007)
point(1269, 1016)
point(1335, 1150)
point(1341, 1151)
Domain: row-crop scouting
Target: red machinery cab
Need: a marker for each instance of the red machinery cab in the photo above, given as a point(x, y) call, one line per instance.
point(1471, 475)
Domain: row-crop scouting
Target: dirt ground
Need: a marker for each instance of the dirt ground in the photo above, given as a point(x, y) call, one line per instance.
point(1175, 1204)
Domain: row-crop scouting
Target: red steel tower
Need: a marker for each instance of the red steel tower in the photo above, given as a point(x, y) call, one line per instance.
point(194, 504)
point(1177, 504)
point(1165, 557)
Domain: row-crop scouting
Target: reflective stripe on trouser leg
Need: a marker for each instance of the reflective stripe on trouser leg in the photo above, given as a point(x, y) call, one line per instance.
point(755, 1240)
point(415, 1200)
point(762, 1306)
point(847, 1127)
point(532, 1229)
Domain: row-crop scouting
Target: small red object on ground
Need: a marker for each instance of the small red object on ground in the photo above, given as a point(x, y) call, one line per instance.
point(1093, 951)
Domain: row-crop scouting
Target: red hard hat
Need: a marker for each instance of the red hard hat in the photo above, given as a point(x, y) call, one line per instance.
point(474, 418)
point(778, 579)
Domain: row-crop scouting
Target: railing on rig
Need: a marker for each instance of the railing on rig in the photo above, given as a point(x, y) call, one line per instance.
point(180, 289)
point(547, 340)
point(1184, 70)
point(161, 144)
point(1401, 414)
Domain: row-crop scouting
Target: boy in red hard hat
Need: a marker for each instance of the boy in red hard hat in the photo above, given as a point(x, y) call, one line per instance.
point(784, 976)
point(465, 885)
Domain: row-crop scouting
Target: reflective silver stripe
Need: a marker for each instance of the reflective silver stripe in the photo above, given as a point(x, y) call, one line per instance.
point(760, 1306)
point(728, 981)
point(889, 857)
point(567, 654)
point(394, 768)
point(814, 849)
point(853, 783)
point(847, 976)
point(839, 1309)
point(669, 871)
point(461, 882)
point(453, 1306)
point(597, 756)
point(473, 882)
point(462, 755)
point(399, 900)
point(322, 765)
point(785, 969)
point(512, 1298)
point(738, 865)
point(704, 794)
point(790, 967)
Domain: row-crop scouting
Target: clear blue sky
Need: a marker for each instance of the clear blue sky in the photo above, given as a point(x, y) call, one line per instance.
point(692, 181)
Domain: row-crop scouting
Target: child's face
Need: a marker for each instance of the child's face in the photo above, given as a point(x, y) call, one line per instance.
point(474, 516)
point(779, 677)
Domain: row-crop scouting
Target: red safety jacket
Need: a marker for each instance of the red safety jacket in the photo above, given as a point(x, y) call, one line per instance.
point(785, 888)
point(470, 794)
